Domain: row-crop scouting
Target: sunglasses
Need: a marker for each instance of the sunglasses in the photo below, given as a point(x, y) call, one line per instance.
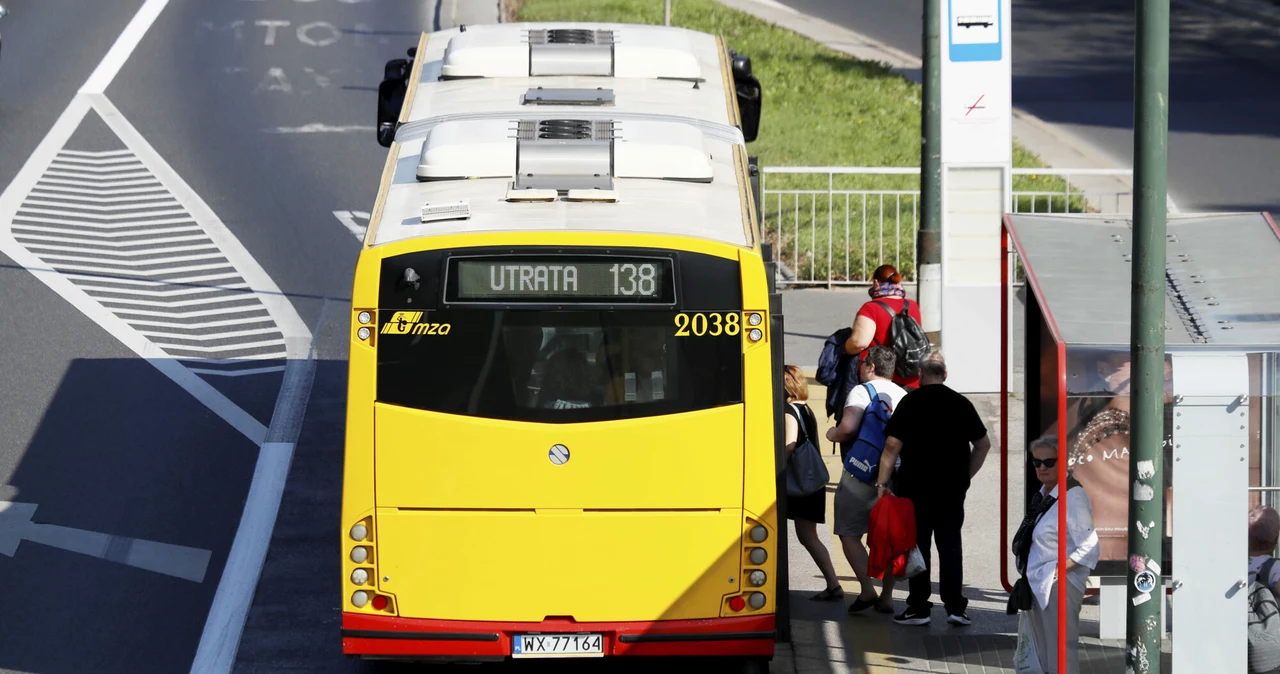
point(1047, 463)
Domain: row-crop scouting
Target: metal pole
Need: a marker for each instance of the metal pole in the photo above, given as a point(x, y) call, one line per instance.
point(666, 13)
point(1150, 212)
point(778, 355)
point(1266, 429)
point(928, 241)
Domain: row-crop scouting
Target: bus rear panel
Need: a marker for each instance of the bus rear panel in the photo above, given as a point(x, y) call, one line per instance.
point(569, 453)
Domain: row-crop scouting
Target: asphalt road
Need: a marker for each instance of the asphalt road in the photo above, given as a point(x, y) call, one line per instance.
point(264, 111)
point(1073, 67)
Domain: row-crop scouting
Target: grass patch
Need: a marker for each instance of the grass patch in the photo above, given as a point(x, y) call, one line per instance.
point(821, 108)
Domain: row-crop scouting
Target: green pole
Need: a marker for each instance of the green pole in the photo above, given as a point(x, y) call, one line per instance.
point(1150, 212)
point(928, 241)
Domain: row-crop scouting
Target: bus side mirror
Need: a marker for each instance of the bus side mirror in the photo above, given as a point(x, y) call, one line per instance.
point(391, 95)
point(749, 94)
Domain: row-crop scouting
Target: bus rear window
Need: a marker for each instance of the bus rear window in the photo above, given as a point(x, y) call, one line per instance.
point(560, 366)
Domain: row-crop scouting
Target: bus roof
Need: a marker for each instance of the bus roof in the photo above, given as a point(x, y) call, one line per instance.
point(475, 155)
point(665, 178)
point(594, 69)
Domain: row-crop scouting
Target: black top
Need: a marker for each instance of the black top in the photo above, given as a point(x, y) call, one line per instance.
point(936, 426)
point(808, 424)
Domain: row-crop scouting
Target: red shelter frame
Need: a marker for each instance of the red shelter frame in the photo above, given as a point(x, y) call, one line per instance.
point(1007, 236)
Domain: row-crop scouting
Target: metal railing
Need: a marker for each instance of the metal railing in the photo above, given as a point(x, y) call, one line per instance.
point(833, 225)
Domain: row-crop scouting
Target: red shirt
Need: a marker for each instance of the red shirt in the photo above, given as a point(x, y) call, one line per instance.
point(882, 318)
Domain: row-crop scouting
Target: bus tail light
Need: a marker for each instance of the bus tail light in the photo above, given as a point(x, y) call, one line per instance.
point(737, 603)
point(379, 603)
point(754, 319)
point(756, 599)
point(759, 533)
point(365, 323)
point(359, 598)
point(757, 578)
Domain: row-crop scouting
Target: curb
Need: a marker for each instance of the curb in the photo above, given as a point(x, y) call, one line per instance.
point(1262, 12)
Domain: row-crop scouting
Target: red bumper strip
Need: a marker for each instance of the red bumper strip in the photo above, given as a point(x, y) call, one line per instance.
point(706, 636)
point(419, 636)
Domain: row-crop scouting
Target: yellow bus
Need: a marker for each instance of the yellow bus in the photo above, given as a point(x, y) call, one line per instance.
point(561, 411)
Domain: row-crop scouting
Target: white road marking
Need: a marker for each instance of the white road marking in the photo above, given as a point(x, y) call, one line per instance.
point(348, 219)
point(286, 316)
point(225, 624)
point(123, 47)
point(12, 198)
point(231, 602)
point(178, 561)
point(320, 127)
point(106, 153)
point(272, 25)
point(275, 80)
point(305, 37)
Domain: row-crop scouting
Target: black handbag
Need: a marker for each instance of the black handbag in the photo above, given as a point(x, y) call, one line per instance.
point(1021, 597)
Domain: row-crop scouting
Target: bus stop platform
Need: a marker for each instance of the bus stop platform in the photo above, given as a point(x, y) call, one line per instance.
point(826, 639)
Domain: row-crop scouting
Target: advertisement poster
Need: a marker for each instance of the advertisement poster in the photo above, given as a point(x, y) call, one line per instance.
point(1098, 442)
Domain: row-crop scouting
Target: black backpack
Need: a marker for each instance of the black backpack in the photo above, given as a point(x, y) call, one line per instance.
point(907, 339)
point(1264, 622)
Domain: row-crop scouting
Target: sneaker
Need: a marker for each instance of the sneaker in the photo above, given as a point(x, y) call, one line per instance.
point(912, 616)
point(961, 619)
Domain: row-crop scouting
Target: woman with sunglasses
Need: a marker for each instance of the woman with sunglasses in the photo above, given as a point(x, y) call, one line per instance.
point(1035, 550)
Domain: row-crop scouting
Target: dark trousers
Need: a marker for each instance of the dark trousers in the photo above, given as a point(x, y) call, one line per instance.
point(939, 521)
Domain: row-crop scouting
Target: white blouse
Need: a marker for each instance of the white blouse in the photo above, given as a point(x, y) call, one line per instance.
point(1082, 545)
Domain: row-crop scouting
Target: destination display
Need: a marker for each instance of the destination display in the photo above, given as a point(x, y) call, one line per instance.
point(539, 279)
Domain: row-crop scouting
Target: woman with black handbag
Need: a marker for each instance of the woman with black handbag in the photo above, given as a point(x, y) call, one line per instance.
point(807, 510)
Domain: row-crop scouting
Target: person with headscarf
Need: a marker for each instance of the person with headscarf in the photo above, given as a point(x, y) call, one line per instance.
point(871, 324)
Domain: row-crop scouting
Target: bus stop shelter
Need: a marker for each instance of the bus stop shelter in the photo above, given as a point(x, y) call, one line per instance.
point(1065, 319)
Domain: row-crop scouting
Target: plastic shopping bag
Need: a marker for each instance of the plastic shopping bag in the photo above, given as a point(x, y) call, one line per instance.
point(914, 564)
point(1026, 659)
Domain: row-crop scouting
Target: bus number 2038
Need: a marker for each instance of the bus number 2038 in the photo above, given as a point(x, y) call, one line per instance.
point(708, 324)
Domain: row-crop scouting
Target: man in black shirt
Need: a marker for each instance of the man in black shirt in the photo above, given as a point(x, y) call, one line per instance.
point(942, 442)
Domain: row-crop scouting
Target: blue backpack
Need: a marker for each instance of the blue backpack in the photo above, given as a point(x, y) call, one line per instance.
point(863, 458)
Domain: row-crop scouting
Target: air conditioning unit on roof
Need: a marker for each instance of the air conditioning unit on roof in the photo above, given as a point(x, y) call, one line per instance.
point(564, 154)
point(512, 50)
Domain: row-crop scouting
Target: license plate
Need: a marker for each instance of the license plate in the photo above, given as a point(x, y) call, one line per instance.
point(557, 646)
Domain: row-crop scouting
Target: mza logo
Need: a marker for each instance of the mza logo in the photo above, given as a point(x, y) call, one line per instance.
point(409, 323)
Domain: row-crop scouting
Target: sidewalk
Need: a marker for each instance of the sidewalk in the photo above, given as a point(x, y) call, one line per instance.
point(826, 639)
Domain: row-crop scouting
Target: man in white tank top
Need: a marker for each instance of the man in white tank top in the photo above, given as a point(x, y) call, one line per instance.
point(855, 498)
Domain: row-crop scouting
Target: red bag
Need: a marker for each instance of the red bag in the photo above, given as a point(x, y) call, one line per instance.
point(891, 535)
